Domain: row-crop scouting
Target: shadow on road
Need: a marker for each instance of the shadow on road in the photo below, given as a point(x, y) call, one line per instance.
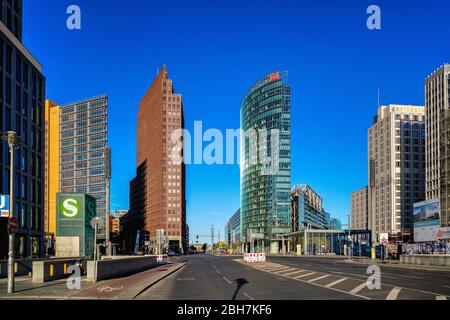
point(239, 284)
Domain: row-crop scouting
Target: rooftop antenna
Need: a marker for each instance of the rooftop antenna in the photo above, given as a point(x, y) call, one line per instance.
point(379, 99)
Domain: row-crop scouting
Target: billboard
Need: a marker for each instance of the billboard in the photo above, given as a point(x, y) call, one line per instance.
point(4, 206)
point(426, 220)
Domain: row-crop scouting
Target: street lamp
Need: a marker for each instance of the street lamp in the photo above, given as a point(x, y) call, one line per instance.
point(13, 140)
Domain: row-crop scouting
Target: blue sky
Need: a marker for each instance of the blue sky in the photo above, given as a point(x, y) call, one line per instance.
point(215, 50)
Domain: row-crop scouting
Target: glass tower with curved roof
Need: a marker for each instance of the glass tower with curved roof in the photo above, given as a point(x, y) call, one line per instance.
point(265, 194)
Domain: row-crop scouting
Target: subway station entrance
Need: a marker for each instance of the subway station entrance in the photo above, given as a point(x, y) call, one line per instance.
point(327, 242)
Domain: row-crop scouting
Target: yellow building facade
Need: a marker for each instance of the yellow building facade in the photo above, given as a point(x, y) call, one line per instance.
point(52, 113)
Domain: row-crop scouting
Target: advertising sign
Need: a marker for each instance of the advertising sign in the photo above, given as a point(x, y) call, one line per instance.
point(4, 206)
point(426, 220)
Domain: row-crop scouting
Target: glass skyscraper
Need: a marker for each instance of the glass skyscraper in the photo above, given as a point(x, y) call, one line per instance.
point(79, 158)
point(265, 194)
point(22, 95)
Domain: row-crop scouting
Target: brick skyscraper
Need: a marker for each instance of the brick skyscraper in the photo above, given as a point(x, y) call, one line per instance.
point(157, 194)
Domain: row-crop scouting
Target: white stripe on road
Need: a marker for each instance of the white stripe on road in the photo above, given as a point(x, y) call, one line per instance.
point(278, 269)
point(218, 272)
point(246, 294)
point(305, 275)
point(227, 280)
point(291, 273)
point(359, 288)
point(393, 294)
point(319, 278)
point(441, 297)
point(288, 270)
point(335, 282)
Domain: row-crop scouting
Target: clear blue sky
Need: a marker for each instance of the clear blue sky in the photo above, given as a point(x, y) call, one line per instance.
point(216, 49)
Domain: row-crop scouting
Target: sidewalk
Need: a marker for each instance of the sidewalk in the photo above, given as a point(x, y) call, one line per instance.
point(124, 288)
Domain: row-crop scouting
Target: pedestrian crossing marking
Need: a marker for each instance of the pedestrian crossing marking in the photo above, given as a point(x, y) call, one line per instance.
point(393, 294)
point(291, 273)
point(335, 282)
point(319, 278)
point(359, 288)
point(305, 275)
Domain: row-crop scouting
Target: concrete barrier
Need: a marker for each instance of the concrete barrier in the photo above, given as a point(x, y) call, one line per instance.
point(54, 269)
point(426, 259)
point(119, 266)
point(22, 267)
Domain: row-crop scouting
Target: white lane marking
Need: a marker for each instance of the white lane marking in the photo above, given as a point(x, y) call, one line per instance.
point(278, 269)
point(319, 278)
point(305, 275)
point(227, 280)
point(291, 273)
point(393, 294)
point(288, 270)
point(441, 298)
point(246, 294)
point(447, 287)
point(359, 288)
point(218, 272)
point(335, 282)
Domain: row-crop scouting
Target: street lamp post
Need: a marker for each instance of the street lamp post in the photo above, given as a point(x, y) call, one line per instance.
point(13, 141)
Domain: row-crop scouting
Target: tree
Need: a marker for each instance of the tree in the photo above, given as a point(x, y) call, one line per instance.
point(204, 247)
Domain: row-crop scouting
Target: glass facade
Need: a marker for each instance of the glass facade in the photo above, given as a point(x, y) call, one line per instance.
point(84, 151)
point(22, 98)
point(265, 198)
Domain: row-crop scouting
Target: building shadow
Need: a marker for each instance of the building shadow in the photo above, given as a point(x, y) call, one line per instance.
point(239, 284)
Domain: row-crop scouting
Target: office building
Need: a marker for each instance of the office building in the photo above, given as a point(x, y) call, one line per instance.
point(396, 168)
point(78, 156)
point(360, 209)
point(115, 221)
point(437, 106)
point(157, 194)
point(336, 224)
point(265, 185)
point(233, 230)
point(307, 211)
point(22, 98)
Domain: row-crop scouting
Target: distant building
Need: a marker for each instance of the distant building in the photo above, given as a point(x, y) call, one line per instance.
point(396, 168)
point(360, 209)
point(233, 229)
point(115, 220)
point(306, 209)
point(336, 224)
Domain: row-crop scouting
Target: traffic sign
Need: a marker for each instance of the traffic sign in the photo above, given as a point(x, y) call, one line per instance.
point(13, 225)
point(4, 206)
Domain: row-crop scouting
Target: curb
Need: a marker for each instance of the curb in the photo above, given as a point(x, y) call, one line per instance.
point(158, 280)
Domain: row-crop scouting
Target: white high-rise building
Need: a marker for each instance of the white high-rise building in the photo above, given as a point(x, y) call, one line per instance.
point(396, 163)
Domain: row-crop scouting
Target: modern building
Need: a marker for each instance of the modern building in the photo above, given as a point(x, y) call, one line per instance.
point(437, 106)
point(158, 193)
point(233, 230)
point(360, 209)
point(22, 98)
point(266, 180)
point(336, 224)
point(115, 221)
point(78, 155)
point(396, 168)
point(307, 211)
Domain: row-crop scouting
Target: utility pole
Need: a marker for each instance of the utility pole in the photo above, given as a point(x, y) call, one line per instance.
point(14, 142)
